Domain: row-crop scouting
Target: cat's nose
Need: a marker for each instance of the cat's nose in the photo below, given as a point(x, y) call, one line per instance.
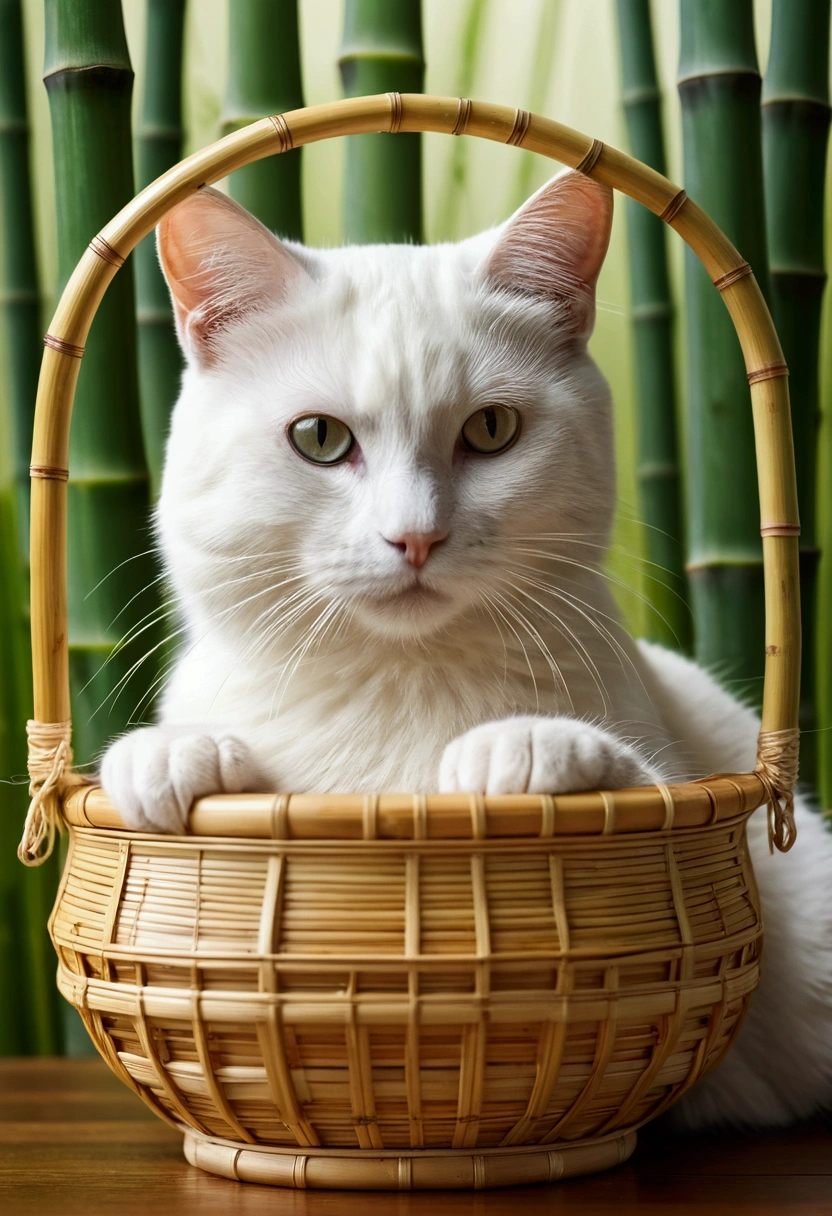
point(416, 546)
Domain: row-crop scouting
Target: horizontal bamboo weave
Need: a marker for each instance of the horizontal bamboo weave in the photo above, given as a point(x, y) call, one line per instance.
point(403, 992)
point(407, 995)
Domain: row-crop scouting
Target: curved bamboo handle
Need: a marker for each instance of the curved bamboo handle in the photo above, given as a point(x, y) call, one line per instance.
point(392, 112)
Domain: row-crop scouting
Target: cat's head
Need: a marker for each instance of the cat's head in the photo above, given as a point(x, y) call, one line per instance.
point(381, 434)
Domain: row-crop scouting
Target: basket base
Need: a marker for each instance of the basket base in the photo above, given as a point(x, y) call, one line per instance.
point(413, 1170)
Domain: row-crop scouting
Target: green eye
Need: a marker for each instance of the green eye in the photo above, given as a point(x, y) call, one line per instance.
point(491, 429)
point(321, 439)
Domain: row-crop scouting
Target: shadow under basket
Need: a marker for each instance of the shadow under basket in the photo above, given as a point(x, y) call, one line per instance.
point(412, 992)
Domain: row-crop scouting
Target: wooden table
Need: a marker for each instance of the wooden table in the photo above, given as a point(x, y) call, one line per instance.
point(73, 1140)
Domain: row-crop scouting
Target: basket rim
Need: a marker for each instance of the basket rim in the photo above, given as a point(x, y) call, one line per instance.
point(433, 821)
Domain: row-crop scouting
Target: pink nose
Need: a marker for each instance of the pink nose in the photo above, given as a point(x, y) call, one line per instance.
point(416, 545)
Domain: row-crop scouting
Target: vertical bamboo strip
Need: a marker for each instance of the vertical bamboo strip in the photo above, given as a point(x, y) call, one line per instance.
point(657, 456)
point(795, 133)
point(89, 82)
point(719, 87)
point(264, 77)
point(158, 146)
point(382, 52)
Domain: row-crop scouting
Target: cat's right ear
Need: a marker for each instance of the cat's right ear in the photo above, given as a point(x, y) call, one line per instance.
point(221, 265)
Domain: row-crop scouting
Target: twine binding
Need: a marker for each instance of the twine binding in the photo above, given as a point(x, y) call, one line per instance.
point(463, 115)
point(63, 347)
point(48, 472)
point(777, 761)
point(732, 276)
point(522, 119)
point(588, 162)
point(395, 100)
point(50, 755)
point(106, 252)
point(770, 372)
point(674, 207)
point(283, 133)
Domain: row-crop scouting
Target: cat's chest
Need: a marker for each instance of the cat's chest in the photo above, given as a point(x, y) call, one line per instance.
point(367, 721)
point(385, 732)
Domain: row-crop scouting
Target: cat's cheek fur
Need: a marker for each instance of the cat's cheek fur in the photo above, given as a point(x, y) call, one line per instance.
point(535, 755)
point(154, 775)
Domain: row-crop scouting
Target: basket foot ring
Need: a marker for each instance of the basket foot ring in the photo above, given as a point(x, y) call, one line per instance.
point(402, 1170)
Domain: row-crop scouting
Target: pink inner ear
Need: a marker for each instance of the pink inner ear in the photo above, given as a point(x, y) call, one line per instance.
point(555, 245)
point(220, 263)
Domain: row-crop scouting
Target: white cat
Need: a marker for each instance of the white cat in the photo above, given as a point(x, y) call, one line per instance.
point(388, 490)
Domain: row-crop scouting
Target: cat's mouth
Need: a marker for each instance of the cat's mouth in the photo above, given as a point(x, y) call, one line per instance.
point(415, 594)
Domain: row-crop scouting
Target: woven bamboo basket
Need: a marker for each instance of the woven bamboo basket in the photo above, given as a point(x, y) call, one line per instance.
point(397, 992)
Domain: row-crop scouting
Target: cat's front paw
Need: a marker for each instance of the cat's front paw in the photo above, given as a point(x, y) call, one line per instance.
point(540, 756)
point(153, 775)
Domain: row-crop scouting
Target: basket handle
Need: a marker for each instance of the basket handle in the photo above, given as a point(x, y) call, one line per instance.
point(50, 755)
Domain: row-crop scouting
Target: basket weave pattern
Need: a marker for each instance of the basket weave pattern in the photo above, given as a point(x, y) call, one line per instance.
point(380, 994)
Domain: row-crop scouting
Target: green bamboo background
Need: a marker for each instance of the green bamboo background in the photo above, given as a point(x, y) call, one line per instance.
point(558, 57)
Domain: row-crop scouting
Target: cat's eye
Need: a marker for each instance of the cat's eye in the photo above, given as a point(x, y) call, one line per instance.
point(491, 429)
point(321, 439)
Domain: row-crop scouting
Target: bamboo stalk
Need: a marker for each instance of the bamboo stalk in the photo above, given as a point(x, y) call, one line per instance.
point(28, 1008)
point(382, 52)
point(89, 82)
point(719, 88)
point(264, 77)
point(12, 1025)
point(795, 133)
point(19, 295)
point(158, 146)
point(657, 472)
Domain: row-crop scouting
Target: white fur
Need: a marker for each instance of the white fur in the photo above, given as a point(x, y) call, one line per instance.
point(500, 665)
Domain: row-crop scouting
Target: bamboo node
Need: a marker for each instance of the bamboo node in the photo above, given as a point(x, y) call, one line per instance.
point(463, 116)
point(588, 162)
point(732, 276)
point(106, 252)
point(779, 529)
point(395, 100)
point(674, 207)
point(284, 134)
point(48, 472)
point(50, 755)
point(777, 763)
point(63, 348)
point(522, 118)
point(771, 371)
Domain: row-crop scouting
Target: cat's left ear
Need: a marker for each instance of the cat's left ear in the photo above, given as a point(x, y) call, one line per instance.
point(221, 266)
point(554, 246)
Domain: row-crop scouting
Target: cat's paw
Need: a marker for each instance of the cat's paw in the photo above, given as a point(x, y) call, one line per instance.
point(540, 756)
point(153, 775)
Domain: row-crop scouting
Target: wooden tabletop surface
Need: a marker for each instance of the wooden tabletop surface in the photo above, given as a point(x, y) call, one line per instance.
point(73, 1140)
